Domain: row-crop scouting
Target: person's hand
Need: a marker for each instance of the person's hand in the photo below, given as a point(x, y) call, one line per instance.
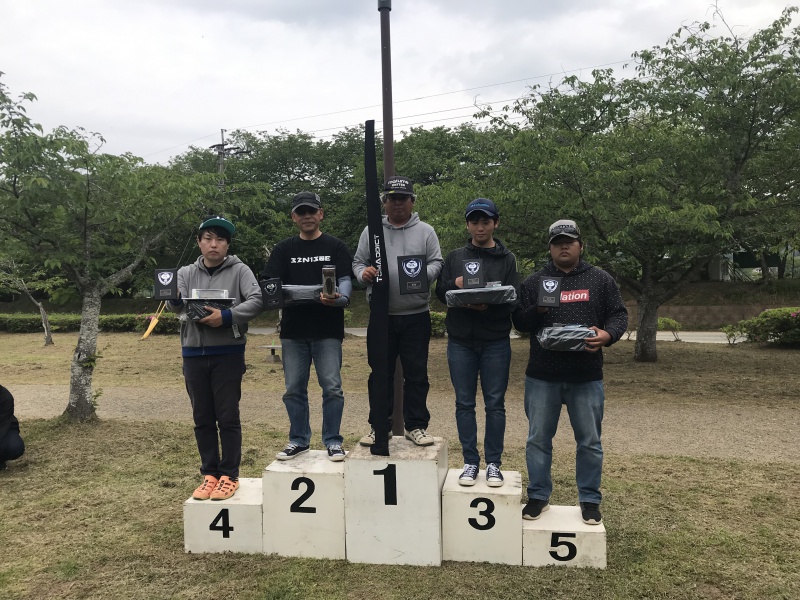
point(369, 274)
point(214, 319)
point(541, 309)
point(329, 301)
point(459, 281)
point(600, 339)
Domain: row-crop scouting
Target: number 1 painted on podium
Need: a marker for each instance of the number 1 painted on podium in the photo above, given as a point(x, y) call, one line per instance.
point(389, 484)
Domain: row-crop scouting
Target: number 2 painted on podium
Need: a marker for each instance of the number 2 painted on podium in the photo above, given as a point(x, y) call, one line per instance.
point(297, 505)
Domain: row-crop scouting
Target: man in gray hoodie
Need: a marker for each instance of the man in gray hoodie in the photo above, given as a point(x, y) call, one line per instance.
point(411, 246)
point(213, 355)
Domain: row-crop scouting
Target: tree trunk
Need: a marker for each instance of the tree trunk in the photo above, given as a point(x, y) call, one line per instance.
point(766, 274)
point(48, 334)
point(81, 401)
point(646, 328)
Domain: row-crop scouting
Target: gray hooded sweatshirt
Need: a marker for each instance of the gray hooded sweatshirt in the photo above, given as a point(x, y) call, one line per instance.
point(413, 238)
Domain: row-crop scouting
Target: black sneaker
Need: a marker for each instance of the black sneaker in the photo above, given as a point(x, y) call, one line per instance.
point(590, 513)
point(291, 451)
point(494, 478)
point(534, 509)
point(468, 475)
point(335, 453)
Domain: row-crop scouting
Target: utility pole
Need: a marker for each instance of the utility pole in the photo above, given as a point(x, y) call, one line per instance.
point(224, 150)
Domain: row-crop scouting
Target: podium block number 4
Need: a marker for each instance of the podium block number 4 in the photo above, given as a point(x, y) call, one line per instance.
point(222, 523)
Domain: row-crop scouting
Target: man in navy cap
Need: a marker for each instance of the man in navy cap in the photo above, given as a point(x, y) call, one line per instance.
point(213, 355)
point(478, 341)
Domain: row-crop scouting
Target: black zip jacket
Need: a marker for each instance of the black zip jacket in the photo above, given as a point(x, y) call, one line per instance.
point(472, 327)
point(589, 296)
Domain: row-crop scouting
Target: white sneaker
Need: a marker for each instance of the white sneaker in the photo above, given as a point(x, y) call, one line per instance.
point(419, 437)
point(468, 475)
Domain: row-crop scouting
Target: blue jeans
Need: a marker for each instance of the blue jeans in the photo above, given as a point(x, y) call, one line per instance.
point(326, 354)
point(543, 400)
point(491, 361)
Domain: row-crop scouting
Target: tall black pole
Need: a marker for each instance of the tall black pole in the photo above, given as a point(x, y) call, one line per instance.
point(385, 7)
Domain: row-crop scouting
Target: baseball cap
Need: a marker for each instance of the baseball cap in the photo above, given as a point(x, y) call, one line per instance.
point(563, 227)
point(398, 186)
point(218, 222)
point(306, 199)
point(483, 205)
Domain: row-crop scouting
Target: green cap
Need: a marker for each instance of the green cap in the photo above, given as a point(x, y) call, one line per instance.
point(219, 222)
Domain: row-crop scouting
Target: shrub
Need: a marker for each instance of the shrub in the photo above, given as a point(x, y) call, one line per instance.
point(776, 326)
point(667, 324)
point(437, 324)
point(65, 323)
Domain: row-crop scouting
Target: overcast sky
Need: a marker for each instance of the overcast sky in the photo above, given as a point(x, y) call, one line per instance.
point(155, 76)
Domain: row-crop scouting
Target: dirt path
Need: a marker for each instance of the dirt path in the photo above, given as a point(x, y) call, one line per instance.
point(737, 430)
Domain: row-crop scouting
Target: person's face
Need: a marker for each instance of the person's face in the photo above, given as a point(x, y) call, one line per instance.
point(398, 208)
point(481, 227)
point(307, 219)
point(565, 252)
point(213, 248)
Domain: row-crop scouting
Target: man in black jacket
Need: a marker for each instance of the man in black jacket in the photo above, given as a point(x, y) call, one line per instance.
point(590, 297)
point(478, 341)
point(11, 444)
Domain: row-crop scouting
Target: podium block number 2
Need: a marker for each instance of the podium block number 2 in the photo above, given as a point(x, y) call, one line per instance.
point(297, 505)
point(389, 484)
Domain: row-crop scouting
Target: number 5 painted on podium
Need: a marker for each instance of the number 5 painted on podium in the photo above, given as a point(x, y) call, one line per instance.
point(555, 542)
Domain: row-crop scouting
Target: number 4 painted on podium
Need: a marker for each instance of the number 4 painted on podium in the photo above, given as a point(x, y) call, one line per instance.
point(225, 528)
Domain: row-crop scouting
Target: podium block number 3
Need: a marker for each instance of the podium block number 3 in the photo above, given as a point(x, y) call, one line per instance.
point(487, 513)
point(222, 523)
point(389, 484)
point(557, 542)
point(297, 505)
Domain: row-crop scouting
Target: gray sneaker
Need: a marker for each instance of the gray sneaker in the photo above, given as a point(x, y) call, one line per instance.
point(419, 437)
point(369, 439)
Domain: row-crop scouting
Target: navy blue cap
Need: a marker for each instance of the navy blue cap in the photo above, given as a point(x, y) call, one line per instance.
point(482, 205)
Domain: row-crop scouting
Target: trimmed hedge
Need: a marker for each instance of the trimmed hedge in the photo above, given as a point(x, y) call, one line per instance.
point(777, 326)
point(64, 323)
point(437, 324)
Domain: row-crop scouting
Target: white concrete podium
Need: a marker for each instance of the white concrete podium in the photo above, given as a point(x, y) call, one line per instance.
point(482, 523)
point(303, 503)
point(393, 503)
point(232, 525)
point(560, 537)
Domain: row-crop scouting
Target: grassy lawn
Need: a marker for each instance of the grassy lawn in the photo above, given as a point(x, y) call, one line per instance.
point(95, 510)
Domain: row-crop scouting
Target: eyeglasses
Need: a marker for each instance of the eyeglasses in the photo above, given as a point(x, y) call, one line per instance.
point(302, 211)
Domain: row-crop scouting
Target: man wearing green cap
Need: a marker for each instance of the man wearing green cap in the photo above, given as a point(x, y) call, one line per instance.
point(213, 355)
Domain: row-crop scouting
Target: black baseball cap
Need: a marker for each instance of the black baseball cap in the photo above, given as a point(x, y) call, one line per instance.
point(306, 199)
point(398, 186)
point(565, 227)
point(483, 205)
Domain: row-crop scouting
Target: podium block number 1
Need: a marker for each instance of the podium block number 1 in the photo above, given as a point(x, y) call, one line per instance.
point(389, 484)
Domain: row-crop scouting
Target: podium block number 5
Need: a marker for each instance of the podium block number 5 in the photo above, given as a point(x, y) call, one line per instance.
point(487, 512)
point(297, 505)
point(556, 542)
point(225, 527)
point(389, 484)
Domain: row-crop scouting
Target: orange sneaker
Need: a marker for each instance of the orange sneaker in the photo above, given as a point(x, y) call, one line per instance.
point(226, 487)
point(204, 491)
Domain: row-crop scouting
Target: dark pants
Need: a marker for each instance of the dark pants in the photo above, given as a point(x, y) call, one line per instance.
point(11, 446)
point(409, 336)
point(214, 384)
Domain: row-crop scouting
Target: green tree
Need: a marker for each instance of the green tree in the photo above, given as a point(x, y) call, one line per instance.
point(92, 216)
point(666, 170)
